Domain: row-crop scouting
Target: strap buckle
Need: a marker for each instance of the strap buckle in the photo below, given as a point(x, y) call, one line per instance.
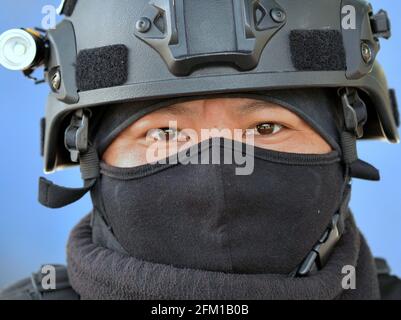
point(354, 110)
point(76, 134)
point(322, 251)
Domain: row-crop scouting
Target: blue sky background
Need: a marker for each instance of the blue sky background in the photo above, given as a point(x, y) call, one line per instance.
point(31, 235)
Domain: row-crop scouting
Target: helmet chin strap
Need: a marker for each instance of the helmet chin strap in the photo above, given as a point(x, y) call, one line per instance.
point(321, 252)
point(76, 141)
point(355, 117)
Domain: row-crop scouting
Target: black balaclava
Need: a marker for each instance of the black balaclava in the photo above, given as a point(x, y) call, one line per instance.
point(205, 216)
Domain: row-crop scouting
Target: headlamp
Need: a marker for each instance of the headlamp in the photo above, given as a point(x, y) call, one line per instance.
point(21, 49)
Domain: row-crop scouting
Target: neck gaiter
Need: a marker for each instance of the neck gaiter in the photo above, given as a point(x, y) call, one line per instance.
point(96, 272)
point(207, 217)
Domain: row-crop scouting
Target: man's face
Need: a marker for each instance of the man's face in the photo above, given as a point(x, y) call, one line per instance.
point(269, 126)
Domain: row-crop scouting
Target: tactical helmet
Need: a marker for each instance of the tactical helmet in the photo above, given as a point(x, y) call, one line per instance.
point(108, 52)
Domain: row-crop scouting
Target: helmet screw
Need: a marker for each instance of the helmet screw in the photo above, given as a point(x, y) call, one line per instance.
point(278, 15)
point(143, 25)
point(56, 80)
point(367, 53)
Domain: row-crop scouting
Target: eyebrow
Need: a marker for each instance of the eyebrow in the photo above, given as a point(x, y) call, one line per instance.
point(176, 110)
point(255, 106)
point(252, 106)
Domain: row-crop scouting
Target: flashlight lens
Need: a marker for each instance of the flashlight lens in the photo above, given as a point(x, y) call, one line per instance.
point(17, 49)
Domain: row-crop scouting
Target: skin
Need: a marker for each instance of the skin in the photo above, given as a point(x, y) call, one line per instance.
point(270, 125)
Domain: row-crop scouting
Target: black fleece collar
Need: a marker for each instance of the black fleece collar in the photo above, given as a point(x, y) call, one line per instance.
point(99, 273)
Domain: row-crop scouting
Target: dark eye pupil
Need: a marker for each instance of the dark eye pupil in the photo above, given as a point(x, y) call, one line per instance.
point(266, 128)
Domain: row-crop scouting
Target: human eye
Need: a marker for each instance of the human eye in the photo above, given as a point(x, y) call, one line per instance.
point(167, 135)
point(265, 129)
point(163, 134)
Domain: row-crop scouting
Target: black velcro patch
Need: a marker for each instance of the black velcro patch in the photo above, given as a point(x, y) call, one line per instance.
point(102, 67)
point(69, 6)
point(317, 50)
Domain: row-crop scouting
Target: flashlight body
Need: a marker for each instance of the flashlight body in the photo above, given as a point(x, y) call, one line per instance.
point(22, 49)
